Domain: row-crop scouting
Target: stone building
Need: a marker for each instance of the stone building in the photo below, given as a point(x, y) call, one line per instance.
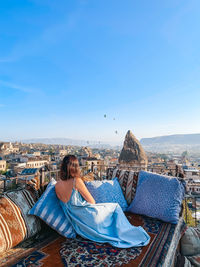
point(2, 165)
point(36, 163)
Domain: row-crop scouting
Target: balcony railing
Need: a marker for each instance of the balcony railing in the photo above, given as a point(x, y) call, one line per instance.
point(191, 201)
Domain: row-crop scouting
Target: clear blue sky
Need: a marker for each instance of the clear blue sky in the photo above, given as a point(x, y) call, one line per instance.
point(64, 64)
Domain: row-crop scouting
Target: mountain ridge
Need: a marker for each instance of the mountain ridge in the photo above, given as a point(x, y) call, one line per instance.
point(67, 142)
point(178, 139)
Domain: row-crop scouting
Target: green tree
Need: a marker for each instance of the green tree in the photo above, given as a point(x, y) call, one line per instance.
point(188, 215)
point(184, 154)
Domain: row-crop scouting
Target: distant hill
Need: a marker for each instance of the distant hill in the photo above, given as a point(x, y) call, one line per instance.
point(173, 143)
point(178, 139)
point(66, 141)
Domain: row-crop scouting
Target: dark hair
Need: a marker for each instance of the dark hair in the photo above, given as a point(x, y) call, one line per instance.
point(69, 168)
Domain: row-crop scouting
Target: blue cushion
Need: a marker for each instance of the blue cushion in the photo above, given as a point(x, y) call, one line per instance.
point(48, 209)
point(158, 196)
point(107, 191)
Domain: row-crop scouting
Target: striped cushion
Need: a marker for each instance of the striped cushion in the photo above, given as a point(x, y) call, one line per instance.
point(15, 223)
point(128, 182)
point(50, 211)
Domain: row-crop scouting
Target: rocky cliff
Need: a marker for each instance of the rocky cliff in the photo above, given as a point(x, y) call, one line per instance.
point(132, 152)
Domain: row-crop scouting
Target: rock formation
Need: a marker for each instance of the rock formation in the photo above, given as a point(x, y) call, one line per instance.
point(132, 153)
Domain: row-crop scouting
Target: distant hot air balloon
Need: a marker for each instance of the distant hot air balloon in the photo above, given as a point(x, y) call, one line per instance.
point(104, 115)
point(116, 132)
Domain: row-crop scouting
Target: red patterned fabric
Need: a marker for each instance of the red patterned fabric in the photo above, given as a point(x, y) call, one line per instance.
point(12, 225)
point(15, 223)
point(164, 236)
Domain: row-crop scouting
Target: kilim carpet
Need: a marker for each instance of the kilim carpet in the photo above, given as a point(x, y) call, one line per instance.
point(41, 250)
point(80, 252)
point(56, 251)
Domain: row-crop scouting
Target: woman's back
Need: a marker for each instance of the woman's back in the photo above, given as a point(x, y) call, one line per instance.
point(64, 189)
point(70, 178)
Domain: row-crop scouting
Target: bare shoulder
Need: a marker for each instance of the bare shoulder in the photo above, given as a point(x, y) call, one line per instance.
point(59, 184)
point(79, 180)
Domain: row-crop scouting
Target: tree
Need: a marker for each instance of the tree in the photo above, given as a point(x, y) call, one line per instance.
point(188, 215)
point(184, 154)
point(164, 157)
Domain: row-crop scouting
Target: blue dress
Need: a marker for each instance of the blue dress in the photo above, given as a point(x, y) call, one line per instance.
point(103, 222)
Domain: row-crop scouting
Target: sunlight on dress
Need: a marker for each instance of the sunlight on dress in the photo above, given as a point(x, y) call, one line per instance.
point(103, 222)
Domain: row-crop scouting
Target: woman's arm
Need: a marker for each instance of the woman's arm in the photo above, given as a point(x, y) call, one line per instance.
point(80, 186)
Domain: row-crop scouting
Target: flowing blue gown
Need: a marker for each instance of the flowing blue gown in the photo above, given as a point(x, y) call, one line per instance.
point(103, 222)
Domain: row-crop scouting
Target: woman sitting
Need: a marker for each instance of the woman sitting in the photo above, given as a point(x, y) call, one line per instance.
point(103, 222)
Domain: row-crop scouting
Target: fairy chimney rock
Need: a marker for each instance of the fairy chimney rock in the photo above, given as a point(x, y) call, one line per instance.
point(132, 153)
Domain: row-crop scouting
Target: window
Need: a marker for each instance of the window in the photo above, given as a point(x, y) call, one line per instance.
point(194, 173)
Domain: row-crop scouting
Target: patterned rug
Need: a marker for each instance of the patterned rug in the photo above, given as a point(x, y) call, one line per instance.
point(80, 252)
point(47, 256)
point(40, 250)
point(50, 249)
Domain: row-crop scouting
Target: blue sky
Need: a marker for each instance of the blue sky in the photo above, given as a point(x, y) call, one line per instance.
point(64, 64)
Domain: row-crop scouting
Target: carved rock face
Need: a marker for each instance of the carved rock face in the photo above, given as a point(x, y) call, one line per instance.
point(132, 152)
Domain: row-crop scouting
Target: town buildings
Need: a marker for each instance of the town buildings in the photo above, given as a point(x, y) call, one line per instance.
point(15, 157)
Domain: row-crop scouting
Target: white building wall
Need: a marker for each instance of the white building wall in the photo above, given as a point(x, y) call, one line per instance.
point(36, 164)
point(2, 165)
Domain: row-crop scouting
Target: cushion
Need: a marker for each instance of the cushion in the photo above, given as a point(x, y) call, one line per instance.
point(190, 242)
point(15, 223)
point(107, 191)
point(158, 196)
point(193, 260)
point(128, 181)
point(48, 209)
